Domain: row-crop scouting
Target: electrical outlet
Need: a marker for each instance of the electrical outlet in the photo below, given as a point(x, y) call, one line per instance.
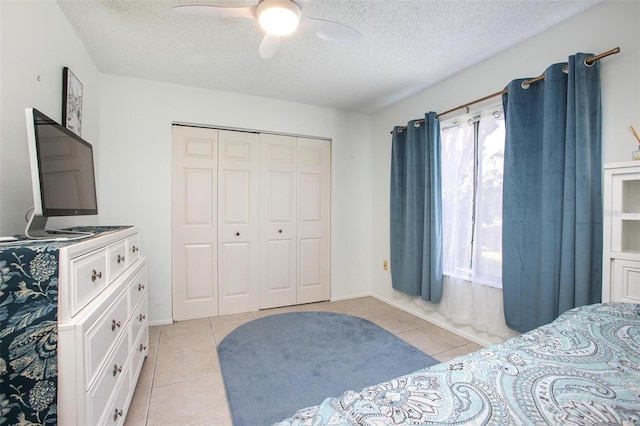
point(385, 265)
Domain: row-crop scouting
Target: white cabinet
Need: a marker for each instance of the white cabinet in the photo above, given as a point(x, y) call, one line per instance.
point(621, 267)
point(250, 221)
point(102, 327)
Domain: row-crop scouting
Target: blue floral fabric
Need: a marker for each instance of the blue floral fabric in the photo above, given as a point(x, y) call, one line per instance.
point(29, 330)
point(582, 369)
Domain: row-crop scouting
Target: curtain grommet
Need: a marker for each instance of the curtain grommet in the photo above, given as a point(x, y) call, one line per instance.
point(497, 114)
point(525, 85)
point(416, 124)
point(587, 64)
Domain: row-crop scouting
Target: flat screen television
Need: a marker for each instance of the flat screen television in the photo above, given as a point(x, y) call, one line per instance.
point(62, 176)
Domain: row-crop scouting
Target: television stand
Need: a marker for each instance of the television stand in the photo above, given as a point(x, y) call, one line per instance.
point(36, 230)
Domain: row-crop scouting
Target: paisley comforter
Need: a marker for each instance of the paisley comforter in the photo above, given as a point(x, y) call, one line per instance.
point(582, 369)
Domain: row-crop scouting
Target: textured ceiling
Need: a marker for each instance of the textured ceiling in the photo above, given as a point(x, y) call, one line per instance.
point(406, 45)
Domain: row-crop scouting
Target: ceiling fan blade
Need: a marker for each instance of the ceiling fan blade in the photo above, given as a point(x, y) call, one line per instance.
point(269, 45)
point(217, 11)
point(329, 30)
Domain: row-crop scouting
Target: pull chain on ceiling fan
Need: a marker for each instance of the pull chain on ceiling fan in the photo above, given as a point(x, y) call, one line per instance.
point(277, 18)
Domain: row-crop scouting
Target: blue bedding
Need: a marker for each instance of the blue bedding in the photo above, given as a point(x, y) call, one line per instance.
point(582, 369)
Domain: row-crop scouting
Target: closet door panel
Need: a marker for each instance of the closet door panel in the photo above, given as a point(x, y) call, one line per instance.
point(194, 223)
point(314, 212)
point(238, 221)
point(311, 257)
point(236, 274)
point(278, 221)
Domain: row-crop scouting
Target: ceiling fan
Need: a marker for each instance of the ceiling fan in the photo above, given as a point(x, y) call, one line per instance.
point(278, 18)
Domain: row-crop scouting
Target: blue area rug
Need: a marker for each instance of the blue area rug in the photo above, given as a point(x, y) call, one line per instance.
point(276, 365)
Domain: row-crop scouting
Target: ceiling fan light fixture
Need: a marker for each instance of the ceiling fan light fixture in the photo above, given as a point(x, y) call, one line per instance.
point(278, 17)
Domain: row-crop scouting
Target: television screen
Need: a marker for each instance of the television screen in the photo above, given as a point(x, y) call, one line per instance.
point(62, 169)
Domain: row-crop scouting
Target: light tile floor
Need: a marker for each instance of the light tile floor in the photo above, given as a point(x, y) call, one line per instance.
point(181, 383)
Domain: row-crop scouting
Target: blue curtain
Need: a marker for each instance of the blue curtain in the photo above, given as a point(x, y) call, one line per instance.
point(552, 200)
point(416, 209)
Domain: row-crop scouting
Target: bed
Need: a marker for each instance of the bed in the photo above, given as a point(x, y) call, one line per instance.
point(583, 368)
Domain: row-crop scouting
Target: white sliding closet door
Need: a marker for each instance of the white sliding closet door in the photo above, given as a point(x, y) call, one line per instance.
point(278, 188)
point(250, 221)
point(314, 223)
point(238, 221)
point(194, 223)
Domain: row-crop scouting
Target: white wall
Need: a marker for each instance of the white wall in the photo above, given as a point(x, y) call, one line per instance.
point(135, 164)
point(599, 29)
point(36, 42)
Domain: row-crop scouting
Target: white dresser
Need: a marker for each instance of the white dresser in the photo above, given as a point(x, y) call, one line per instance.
point(102, 327)
point(621, 267)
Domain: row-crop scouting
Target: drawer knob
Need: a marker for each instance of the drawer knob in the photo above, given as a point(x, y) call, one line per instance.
point(114, 324)
point(140, 287)
point(279, 231)
point(116, 369)
point(142, 317)
point(135, 249)
point(120, 258)
point(237, 234)
point(95, 274)
point(142, 347)
point(116, 414)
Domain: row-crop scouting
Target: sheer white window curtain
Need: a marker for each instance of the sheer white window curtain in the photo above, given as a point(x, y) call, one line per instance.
point(472, 165)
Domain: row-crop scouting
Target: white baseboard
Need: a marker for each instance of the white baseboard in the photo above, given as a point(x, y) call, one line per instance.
point(442, 324)
point(160, 322)
point(357, 296)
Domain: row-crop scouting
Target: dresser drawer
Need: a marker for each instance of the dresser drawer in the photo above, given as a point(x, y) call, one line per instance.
point(139, 321)
point(118, 411)
point(626, 275)
point(138, 288)
point(117, 259)
point(113, 372)
point(88, 278)
point(133, 249)
point(141, 350)
point(100, 336)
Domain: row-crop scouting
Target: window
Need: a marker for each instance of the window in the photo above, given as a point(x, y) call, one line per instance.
point(472, 167)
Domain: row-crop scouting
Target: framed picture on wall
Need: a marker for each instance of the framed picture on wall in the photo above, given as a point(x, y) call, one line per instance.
point(71, 102)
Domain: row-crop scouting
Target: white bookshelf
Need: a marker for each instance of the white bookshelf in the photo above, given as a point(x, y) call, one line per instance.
point(621, 255)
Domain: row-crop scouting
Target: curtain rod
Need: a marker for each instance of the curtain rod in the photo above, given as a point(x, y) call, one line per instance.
point(590, 60)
